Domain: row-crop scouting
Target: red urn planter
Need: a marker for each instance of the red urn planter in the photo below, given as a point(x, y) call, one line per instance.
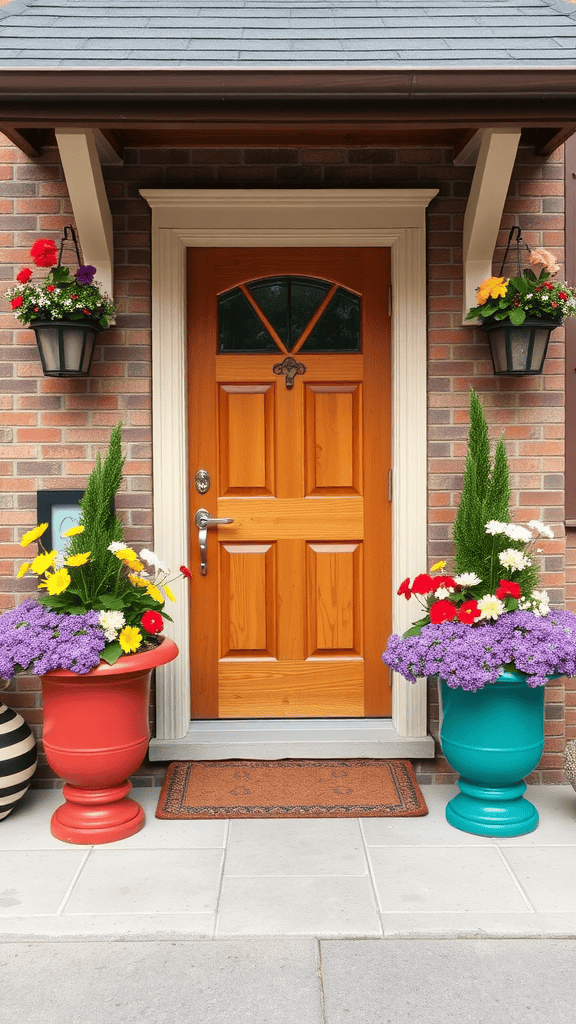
point(95, 735)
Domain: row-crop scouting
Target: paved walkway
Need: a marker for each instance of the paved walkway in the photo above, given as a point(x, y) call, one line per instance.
point(319, 878)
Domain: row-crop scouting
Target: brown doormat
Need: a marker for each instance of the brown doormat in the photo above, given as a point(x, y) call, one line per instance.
point(351, 788)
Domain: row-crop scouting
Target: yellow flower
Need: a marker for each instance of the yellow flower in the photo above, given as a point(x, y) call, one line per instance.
point(56, 582)
point(137, 581)
point(126, 555)
point(169, 593)
point(437, 565)
point(73, 531)
point(23, 570)
point(130, 639)
point(79, 559)
point(43, 562)
point(491, 288)
point(33, 535)
point(154, 593)
point(136, 565)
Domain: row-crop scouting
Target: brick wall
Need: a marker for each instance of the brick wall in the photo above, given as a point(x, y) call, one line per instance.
point(50, 430)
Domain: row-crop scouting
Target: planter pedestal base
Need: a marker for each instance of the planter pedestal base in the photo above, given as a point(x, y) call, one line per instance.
point(492, 812)
point(93, 816)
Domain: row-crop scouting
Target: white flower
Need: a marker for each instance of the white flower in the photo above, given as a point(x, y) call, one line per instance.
point(467, 579)
point(494, 527)
point(152, 559)
point(111, 623)
point(535, 524)
point(516, 532)
point(443, 592)
point(116, 545)
point(490, 607)
point(542, 597)
point(512, 559)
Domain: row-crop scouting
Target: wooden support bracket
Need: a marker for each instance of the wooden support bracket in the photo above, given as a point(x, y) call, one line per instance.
point(494, 165)
point(83, 173)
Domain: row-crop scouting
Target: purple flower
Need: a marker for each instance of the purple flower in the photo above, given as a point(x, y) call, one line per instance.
point(36, 639)
point(472, 656)
point(85, 275)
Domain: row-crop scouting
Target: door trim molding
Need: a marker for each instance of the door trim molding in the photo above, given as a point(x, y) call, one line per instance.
point(183, 218)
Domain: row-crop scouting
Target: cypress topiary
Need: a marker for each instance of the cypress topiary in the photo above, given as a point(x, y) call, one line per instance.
point(101, 525)
point(485, 497)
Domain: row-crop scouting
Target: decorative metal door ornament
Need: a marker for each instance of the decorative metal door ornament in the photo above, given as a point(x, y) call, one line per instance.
point(202, 481)
point(290, 368)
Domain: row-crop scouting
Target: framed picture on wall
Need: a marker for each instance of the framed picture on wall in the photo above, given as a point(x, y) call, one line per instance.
point(61, 510)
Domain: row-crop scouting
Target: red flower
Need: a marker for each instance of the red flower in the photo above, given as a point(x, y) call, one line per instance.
point(549, 286)
point(443, 581)
point(562, 295)
point(423, 584)
point(404, 588)
point(86, 311)
point(469, 612)
point(24, 275)
point(442, 611)
point(16, 302)
point(73, 296)
point(35, 309)
point(44, 252)
point(508, 589)
point(152, 622)
point(50, 288)
point(185, 572)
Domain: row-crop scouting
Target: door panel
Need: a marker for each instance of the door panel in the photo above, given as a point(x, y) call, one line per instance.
point(292, 616)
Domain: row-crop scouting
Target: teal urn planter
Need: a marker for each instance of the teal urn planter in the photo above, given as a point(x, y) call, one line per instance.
point(493, 737)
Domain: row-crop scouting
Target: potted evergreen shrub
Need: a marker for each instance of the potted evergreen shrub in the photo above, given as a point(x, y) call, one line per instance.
point(489, 634)
point(93, 635)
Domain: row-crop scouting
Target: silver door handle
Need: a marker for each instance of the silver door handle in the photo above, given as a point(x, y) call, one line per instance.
point(203, 520)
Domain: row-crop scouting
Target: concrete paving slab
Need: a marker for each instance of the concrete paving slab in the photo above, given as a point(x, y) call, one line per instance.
point(117, 881)
point(36, 882)
point(316, 905)
point(476, 925)
point(244, 982)
point(286, 846)
point(447, 879)
point(505, 981)
point(547, 875)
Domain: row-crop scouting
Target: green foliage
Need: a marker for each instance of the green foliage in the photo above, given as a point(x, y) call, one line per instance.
point(103, 573)
point(486, 497)
point(526, 296)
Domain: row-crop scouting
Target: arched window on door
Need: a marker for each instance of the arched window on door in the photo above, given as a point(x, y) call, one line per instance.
point(289, 314)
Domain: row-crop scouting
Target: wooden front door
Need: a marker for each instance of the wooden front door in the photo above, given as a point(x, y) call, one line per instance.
point(289, 399)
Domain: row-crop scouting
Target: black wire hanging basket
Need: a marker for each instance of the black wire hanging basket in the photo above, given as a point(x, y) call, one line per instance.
point(518, 350)
point(66, 346)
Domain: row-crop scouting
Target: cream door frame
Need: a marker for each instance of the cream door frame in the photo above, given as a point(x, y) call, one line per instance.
point(392, 218)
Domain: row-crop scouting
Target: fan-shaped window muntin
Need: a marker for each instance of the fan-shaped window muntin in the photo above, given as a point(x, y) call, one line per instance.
point(288, 314)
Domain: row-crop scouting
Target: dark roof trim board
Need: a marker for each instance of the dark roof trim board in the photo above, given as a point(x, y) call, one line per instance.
point(543, 104)
point(34, 97)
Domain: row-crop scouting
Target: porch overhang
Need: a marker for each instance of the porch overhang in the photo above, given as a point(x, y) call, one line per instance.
point(157, 107)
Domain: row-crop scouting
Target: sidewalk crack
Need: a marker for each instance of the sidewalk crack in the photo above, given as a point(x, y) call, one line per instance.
point(77, 874)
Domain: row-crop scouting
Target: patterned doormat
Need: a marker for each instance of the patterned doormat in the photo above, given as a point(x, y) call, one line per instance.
point(350, 788)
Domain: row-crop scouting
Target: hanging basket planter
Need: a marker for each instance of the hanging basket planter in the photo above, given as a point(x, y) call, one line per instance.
point(518, 350)
point(66, 346)
point(66, 311)
point(519, 313)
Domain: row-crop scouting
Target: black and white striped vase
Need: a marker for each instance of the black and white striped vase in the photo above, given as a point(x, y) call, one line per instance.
point(18, 758)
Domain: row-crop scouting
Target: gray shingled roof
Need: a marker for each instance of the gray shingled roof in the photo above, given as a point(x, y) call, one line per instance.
point(288, 34)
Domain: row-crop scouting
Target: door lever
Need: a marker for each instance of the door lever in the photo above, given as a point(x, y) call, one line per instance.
point(203, 520)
